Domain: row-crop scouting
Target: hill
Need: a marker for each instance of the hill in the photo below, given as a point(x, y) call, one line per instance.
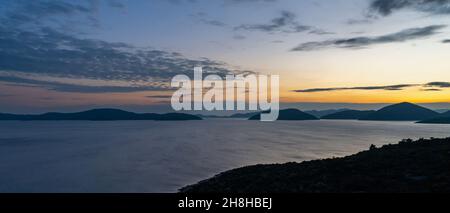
point(321, 113)
point(237, 115)
point(100, 115)
point(445, 114)
point(439, 120)
point(244, 115)
point(443, 118)
point(348, 115)
point(289, 114)
point(401, 112)
point(410, 166)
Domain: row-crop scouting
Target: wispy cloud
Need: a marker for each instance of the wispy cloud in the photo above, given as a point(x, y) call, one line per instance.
point(34, 51)
point(181, 1)
point(438, 84)
point(432, 86)
point(320, 32)
point(63, 62)
point(63, 13)
point(388, 87)
point(78, 84)
point(366, 20)
point(363, 42)
point(117, 4)
point(431, 90)
point(286, 22)
point(239, 37)
point(159, 96)
point(248, 1)
point(203, 18)
point(228, 2)
point(387, 7)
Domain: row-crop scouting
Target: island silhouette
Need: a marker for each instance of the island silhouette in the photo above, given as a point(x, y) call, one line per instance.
point(443, 118)
point(289, 114)
point(322, 113)
point(401, 112)
point(101, 115)
point(348, 115)
point(396, 112)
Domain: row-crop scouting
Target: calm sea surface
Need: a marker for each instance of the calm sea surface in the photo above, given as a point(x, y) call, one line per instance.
point(151, 156)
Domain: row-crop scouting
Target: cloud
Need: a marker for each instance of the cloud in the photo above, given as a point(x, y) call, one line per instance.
point(389, 88)
point(48, 54)
point(159, 96)
point(226, 2)
point(286, 23)
point(362, 21)
point(116, 4)
point(79, 85)
point(431, 90)
point(446, 41)
point(431, 86)
point(249, 1)
point(387, 7)
point(202, 17)
point(438, 84)
point(320, 32)
point(35, 53)
point(63, 13)
point(182, 1)
point(363, 42)
point(239, 37)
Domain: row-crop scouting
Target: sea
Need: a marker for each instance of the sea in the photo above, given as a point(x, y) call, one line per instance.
point(163, 156)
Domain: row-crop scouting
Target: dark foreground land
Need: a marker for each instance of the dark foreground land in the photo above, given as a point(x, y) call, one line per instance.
point(410, 166)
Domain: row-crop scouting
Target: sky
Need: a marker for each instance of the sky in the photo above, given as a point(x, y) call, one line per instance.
point(67, 55)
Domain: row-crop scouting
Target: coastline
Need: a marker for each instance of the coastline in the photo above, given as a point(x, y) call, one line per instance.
point(409, 166)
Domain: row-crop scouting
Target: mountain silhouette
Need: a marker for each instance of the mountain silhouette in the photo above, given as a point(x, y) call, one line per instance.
point(443, 118)
point(289, 114)
point(446, 114)
point(175, 117)
point(101, 115)
point(349, 115)
point(321, 113)
point(244, 115)
point(237, 115)
point(401, 112)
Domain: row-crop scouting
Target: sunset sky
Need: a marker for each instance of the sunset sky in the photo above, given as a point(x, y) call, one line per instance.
point(63, 55)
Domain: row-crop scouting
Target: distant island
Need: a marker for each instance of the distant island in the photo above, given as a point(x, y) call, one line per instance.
point(322, 113)
point(402, 112)
point(410, 166)
point(289, 114)
point(440, 120)
point(244, 115)
point(443, 118)
point(397, 112)
point(237, 115)
point(348, 115)
point(101, 115)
